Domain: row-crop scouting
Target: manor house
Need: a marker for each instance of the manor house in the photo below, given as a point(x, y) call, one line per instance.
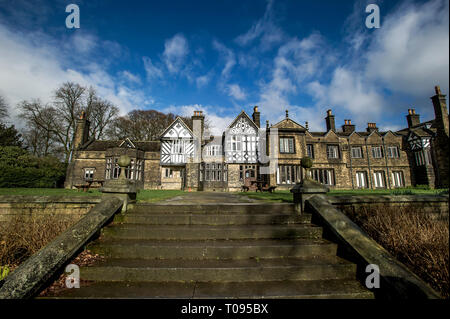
point(247, 154)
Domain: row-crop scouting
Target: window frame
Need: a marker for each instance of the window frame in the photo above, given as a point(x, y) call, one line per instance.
point(356, 148)
point(336, 147)
point(288, 139)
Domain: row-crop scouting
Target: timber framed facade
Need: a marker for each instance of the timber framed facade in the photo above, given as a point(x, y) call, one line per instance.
point(246, 155)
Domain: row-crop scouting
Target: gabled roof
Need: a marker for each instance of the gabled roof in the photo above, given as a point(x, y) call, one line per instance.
point(288, 123)
point(248, 118)
point(127, 142)
point(179, 120)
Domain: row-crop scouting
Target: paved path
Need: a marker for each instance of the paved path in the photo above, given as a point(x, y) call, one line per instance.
point(207, 198)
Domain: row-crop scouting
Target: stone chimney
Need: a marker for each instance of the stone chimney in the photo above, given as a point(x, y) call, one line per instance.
point(412, 118)
point(256, 116)
point(198, 116)
point(372, 127)
point(329, 120)
point(348, 127)
point(81, 130)
point(440, 111)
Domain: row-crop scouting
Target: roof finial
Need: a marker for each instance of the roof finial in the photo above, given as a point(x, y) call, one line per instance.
point(437, 89)
point(287, 114)
point(307, 125)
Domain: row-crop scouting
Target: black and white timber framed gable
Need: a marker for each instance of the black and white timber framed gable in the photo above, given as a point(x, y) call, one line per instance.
point(241, 140)
point(177, 143)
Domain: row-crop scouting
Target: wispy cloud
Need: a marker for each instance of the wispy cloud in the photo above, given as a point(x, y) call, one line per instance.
point(175, 52)
point(152, 71)
point(268, 33)
point(235, 91)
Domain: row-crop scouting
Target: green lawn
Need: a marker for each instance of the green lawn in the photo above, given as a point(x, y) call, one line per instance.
point(143, 195)
point(286, 196)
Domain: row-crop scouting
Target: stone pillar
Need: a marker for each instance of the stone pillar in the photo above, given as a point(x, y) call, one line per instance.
point(304, 191)
point(122, 187)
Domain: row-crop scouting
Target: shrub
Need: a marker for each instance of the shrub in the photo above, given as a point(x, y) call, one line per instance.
point(21, 236)
point(417, 239)
point(21, 169)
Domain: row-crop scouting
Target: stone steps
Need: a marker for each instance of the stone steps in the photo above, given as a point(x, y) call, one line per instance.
point(212, 219)
point(220, 249)
point(146, 270)
point(289, 289)
point(243, 250)
point(243, 208)
point(205, 232)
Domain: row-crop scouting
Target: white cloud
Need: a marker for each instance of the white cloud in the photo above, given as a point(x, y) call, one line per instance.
point(175, 51)
point(130, 77)
point(410, 52)
point(83, 43)
point(264, 29)
point(228, 56)
point(235, 91)
point(151, 70)
point(203, 80)
point(33, 65)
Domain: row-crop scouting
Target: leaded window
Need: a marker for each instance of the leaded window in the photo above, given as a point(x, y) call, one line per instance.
point(287, 145)
point(323, 175)
point(377, 152)
point(356, 152)
point(332, 151)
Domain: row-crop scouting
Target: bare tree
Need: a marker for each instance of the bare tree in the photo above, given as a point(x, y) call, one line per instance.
point(52, 127)
point(101, 113)
point(140, 125)
point(45, 127)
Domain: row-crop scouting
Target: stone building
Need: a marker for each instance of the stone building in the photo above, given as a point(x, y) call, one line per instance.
point(247, 155)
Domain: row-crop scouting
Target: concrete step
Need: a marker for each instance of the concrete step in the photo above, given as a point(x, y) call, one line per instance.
point(311, 289)
point(220, 249)
point(161, 270)
point(199, 232)
point(212, 219)
point(244, 208)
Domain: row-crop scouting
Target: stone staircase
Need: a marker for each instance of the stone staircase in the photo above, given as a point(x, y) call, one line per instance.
point(235, 250)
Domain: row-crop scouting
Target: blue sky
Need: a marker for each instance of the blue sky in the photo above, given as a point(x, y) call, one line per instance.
point(226, 56)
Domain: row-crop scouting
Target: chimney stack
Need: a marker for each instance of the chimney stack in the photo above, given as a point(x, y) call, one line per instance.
point(81, 131)
point(372, 127)
point(412, 118)
point(348, 127)
point(256, 116)
point(440, 111)
point(329, 120)
point(198, 130)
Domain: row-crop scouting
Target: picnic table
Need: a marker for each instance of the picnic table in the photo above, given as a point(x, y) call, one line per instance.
point(87, 185)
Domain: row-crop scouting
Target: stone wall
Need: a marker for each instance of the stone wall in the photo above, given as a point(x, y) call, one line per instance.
point(427, 203)
point(28, 206)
